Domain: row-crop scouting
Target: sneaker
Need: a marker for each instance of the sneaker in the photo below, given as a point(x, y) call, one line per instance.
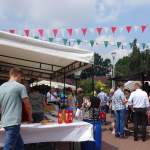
point(117, 135)
point(143, 139)
point(136, 139)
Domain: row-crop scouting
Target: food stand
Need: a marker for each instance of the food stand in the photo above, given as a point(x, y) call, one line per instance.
point(45, 61)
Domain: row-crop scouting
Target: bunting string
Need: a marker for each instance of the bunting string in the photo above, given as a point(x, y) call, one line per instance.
point(96, 43)
point(70, 32)
point(66, 35)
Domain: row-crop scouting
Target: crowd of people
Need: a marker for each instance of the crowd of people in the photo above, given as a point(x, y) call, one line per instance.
point(123, 104)
point(127, 106)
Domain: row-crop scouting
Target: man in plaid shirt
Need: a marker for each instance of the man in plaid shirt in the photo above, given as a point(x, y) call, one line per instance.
point(119, 108)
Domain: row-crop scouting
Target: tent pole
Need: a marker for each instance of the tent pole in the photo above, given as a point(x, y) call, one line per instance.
point(64, 86)
point(93, 89)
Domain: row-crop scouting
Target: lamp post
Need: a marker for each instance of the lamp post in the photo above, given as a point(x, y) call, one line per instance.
point(77, 77)
point(113, 54)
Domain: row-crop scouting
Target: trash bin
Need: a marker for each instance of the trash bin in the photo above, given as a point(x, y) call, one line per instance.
point(94, 145)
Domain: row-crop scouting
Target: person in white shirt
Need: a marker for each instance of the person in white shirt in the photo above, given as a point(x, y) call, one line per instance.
point(52, 96)
point(139, 101)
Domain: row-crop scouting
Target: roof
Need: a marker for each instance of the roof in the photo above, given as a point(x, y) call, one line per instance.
point(37, 55)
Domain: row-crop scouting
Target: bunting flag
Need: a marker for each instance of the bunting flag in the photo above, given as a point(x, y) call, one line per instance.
point(55, 32)
point(65, 41)
point(41, 32)
point(113, 29)
point(84, 31)
point(106, 43)
point(12, 31)
point(92, 43)
point(69, 31)
point(99, 30)
point(79, 41)
point(143, 27)
point(144, 45)
point(129, 28)
point(27, 32)
point(118, 44)
point(36, 37)
point(50, 39)
point(131, 45)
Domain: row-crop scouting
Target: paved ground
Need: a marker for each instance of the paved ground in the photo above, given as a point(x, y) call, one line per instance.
point(112, 143)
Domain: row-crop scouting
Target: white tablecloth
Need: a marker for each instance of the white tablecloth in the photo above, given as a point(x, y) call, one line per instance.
point(34, 133)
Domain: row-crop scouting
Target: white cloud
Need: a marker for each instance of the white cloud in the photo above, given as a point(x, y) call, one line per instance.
point(110, 10)
point(138, 2)
point(107, 10)
point(120, 53)
point(62, 13)
point(48, 13)
point(111, 38)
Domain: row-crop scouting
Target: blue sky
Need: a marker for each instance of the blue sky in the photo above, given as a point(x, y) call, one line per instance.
point(47, 14)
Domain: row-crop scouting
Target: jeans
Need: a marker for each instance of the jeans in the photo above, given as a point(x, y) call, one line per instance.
point(140, 118)
point(104, 108)
point(120, 121)
point(13, 140)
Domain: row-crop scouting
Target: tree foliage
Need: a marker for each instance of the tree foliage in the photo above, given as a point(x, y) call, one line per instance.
point(136, 62)
point(102, 67)
point(86, 85)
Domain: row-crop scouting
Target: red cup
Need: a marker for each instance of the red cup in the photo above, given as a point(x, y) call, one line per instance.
point(66, 116)
point(60, 117)
point(70, 116)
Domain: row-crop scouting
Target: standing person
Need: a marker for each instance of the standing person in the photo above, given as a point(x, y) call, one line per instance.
point(127, 110)
point(12, 95)
point(79, 97)
point(52, 95)
point(139, 102)
point(119, 107)
point(38, 103)
point(112, 110)
point(102, 96)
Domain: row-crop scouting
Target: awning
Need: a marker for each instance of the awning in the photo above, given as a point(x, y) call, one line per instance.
point(53, 84)
point(40, 56)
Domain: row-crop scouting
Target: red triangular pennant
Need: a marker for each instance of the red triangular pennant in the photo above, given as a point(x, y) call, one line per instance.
point(84, 31)
point(12, 31)
point(41, 32)
point(55, 32)
point(26, 32)
point(128, 28)
point(143, 27)
point(69, 30)
point(99, 30)
point(113, 29)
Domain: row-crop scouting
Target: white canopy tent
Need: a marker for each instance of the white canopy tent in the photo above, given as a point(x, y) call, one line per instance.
point(58, 85)
point(39, 56)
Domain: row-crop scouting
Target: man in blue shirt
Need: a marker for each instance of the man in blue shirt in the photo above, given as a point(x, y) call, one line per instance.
point(12, 95)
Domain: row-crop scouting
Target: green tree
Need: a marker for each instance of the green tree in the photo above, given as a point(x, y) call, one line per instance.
point(136, 62)
point(101, 67)
point(135, 59)
point(122, 66)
